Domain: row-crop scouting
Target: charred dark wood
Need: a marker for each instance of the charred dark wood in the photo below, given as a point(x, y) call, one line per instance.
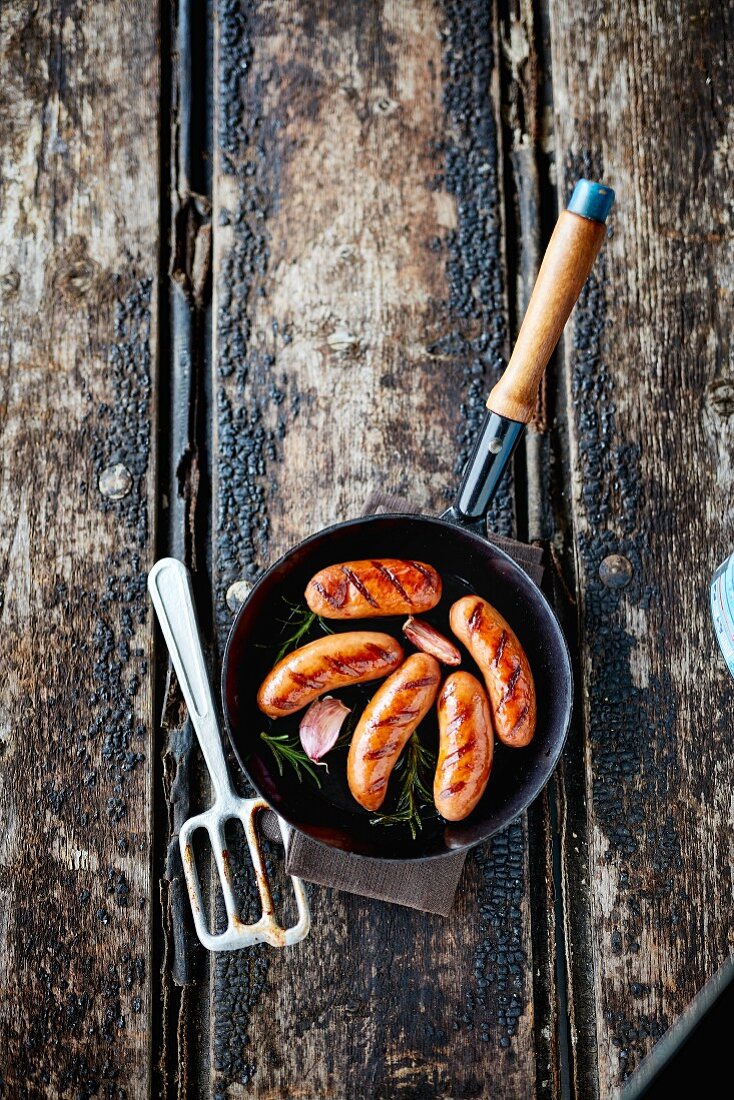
point(643, 101)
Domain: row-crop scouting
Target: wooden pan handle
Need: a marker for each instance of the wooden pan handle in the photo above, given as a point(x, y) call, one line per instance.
point(567, 262)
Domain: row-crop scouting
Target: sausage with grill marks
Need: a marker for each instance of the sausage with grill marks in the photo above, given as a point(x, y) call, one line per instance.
point(466, 746)
point(335, 661)
point(501, 659)
point(368, 589)
point(384, 729)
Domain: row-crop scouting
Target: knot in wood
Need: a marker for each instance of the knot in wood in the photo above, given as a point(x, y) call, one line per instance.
point(77, 273)
point(721, 397)
point(9, 283)
point(384, 105)
point(343, 342)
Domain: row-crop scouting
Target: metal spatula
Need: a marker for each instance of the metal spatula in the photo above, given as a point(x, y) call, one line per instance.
point(170, 590)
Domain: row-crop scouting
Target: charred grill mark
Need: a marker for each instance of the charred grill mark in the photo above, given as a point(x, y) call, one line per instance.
point(378, 784)
point(519, 720)
point(412, 685)
point(335, 598)
point(391, 579)
point(458, 720)
point(500, 648)
point(378, 754)
point(306, 681)
point(475, 619)
point(427, 575)
point(364, 592)
point(285, 702)
point(355, 666)
point(453, 789)
point(400, 719)
point(461, 751)
point(374, 652)
point(342, 667)
point(511, 684)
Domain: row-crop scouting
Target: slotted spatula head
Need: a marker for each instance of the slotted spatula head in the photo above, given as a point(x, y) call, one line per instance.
point(237, 934)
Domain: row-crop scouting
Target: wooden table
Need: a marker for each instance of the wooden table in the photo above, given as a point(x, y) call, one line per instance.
point(256, 262)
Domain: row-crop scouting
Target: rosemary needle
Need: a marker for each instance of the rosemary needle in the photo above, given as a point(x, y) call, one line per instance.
point(302, 619)
point(287, 750)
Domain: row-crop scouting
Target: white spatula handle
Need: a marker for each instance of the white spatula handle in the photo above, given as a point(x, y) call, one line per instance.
point(170, 590)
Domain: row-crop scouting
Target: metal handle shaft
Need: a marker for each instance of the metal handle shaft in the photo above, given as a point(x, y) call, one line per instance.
point(169, 585)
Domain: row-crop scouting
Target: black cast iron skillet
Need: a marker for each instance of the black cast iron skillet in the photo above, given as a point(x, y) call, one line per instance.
point(468, 564)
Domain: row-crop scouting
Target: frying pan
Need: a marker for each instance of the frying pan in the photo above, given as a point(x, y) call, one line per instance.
point(468, 563)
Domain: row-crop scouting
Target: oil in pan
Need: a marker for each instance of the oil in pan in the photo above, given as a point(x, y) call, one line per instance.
point(722, 609)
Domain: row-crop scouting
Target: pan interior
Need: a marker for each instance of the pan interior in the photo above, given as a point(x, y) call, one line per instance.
point(467, 565)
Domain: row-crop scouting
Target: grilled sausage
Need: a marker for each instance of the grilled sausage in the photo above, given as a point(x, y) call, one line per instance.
point(383, 731)
point(502, 661)
point(337, 660)
point(466, 746)
point(368, 589)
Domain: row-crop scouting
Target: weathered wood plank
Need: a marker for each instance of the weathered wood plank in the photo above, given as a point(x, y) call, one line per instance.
point(643, 97)
point(526, 66)
point(360, 318)
point(78, 226)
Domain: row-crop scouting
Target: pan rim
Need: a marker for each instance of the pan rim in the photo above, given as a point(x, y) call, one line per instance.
point(484, 544)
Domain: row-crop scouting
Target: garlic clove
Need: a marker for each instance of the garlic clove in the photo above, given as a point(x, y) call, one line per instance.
point(320, 726)
point(426, 638)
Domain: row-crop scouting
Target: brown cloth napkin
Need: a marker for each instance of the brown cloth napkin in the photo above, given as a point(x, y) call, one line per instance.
point(427, 886)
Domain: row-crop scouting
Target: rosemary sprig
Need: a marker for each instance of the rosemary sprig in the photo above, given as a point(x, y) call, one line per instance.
point(287, 750)
point(302, 620)
point(414, 768)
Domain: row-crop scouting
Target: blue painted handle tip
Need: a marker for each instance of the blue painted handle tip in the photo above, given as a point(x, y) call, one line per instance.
point(591, 200)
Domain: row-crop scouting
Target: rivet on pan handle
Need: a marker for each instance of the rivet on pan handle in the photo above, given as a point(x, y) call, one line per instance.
point(170, 590)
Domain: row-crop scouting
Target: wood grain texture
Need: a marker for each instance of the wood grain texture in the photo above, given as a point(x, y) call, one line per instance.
point(78, 229)
point(643, 99)
point(360, 319)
